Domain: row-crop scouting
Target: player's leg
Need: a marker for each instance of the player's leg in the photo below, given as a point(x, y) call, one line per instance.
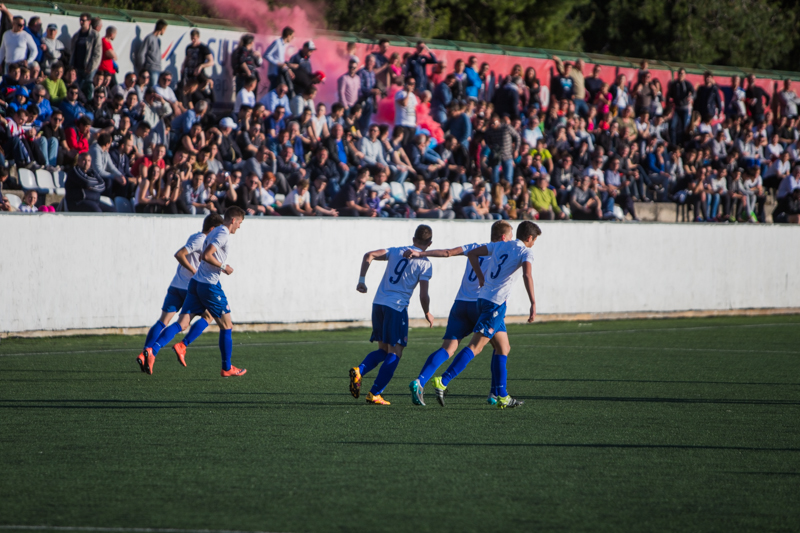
point(499, 373)
point(435, 360)
point(195, 330)
point(226, 346)
point(172, 304)
point(374, 358)
point(395, 333)
point(163, 339)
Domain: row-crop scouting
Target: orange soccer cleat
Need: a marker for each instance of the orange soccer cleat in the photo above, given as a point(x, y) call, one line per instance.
point(376, 399)
point(180, 351)
point(140, 361)
point(150, 360)
point(233, 372)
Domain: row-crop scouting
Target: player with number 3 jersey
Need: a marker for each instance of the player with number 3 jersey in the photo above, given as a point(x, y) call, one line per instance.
point(390, 310)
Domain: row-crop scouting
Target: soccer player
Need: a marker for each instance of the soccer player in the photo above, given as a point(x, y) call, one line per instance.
point(188, 259)
point(463, 316)
point(205, 294)
point(505, 258)
point(390, 310)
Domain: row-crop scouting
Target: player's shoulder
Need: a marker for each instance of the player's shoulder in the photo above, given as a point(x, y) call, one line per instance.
point(469, 247)
point(195, 238)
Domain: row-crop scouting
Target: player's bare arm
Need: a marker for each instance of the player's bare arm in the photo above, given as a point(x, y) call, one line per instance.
point(208, 257)
point(474, 260)
point(415, 254)
point(527, 277)
point(180, 255)
point(369, 257)
point(425, 301)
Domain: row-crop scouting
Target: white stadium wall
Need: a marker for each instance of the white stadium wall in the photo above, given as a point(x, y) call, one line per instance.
point(70, 271)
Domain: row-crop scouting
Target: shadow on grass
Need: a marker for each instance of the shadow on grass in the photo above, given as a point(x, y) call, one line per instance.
point(577, 445)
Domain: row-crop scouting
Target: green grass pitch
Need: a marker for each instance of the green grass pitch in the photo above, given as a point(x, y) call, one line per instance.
point(661, 425)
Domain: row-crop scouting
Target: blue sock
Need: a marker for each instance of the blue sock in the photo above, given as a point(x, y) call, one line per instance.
point(226, 347)
point(458, 365)
point(372, 360)
point(501, 374)
point(166, 336)
point(385, 374)
point(153, 334)
point(434, 361)
point(195, 331)
point(494, 377)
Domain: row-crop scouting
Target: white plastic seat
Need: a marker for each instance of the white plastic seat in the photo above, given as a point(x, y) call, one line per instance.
point(458, 191)
point(27, 179)
point(398, 191)
point(409, 187)
point(14, 200)
point(280, 198)
point(59, 178)
point(467, 188)
point(45, 181)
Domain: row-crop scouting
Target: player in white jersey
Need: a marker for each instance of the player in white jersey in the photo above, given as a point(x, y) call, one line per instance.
point(463, 316)
point(505, 258)
point(188, 258)
point(390, 310)
point(205, 293)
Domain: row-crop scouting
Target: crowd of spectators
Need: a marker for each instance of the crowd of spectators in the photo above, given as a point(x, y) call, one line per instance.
point(407, 137)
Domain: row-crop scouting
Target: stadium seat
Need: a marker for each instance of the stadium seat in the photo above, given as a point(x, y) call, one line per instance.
point(122, 204)
point(27, 179)
point(59, 178)
point(458, 191)
point(45, 181)
point(467, 189)
point(280, 198)
point(398, 192)
point(409, 187)
point(14, 200)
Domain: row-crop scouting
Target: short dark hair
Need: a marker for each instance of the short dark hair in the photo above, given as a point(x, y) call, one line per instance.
point(57, 64)
point(383, 41)
point(86, 15)
point(161, 24)
point(104, 139)
point(96, 22)
point(212, 221)
point(423, 234)
point(84, 121)
point(194, 32)
point(234, 211)
point(287, 31)
point(337, 107)
point(527, 229)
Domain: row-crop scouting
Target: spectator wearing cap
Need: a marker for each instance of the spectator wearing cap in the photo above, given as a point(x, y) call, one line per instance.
point(148, 56)
point(229, 152)
point(277, 97)
point(86, 52)
point(197, 59)
point(417, 65)
point(84, 188)
point(279, 69)
point(349, 86)
point(303, 57)
point(52, 48)
point(17, 45)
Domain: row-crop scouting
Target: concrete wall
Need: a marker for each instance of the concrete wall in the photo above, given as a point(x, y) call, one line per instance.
point(71, 271)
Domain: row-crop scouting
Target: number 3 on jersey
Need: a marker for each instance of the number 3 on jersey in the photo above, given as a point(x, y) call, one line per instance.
point(399, 269)
point(472, 275)
point(499, 266)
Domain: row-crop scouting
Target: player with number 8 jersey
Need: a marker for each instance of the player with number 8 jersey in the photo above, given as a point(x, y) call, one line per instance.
point(390, 310)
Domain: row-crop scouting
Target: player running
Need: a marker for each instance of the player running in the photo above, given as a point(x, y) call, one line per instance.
point(205, 294)
point(188, 259)
point(390, 310)
point(463, 316)
point(505, 258)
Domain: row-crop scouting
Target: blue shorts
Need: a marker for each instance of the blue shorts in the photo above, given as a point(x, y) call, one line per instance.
point(389, 326)
point(492, 319)
point(206, 297)
point(174, 300)
point(462, 319)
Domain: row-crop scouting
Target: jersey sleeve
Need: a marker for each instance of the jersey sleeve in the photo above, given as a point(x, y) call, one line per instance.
point(195, 243)
point(426, 271)
point(467, 248)
point(218, 240)
point(490, 247)
point(527, 257)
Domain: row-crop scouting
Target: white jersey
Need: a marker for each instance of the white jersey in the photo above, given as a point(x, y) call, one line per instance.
point(208, 273)
point(401, 278)
point(193, 248)
point(469, 289)
point(505, 259)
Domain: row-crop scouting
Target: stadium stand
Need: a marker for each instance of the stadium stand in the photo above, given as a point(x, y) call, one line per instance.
point(439, 141)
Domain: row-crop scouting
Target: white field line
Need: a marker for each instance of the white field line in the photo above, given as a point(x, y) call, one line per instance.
point(121, 529)
point(426, 338)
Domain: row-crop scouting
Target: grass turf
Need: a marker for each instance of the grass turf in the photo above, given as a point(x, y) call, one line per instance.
point(667, 425)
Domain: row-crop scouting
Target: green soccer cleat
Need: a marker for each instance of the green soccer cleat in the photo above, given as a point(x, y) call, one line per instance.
point(441, 390)
point(417, 392)
point(492, 399)
point(508, 401)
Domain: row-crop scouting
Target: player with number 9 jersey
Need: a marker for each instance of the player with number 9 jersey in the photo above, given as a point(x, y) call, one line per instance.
point(390, 310)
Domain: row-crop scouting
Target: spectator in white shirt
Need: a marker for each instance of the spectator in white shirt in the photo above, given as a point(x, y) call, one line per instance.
point(405, 110)
point(246, 96)
point(17, 45)
point(788, 100)
point(298, 201)
point(164, 90)
point(775, 148)
point(372, 149)
point(779, 169)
